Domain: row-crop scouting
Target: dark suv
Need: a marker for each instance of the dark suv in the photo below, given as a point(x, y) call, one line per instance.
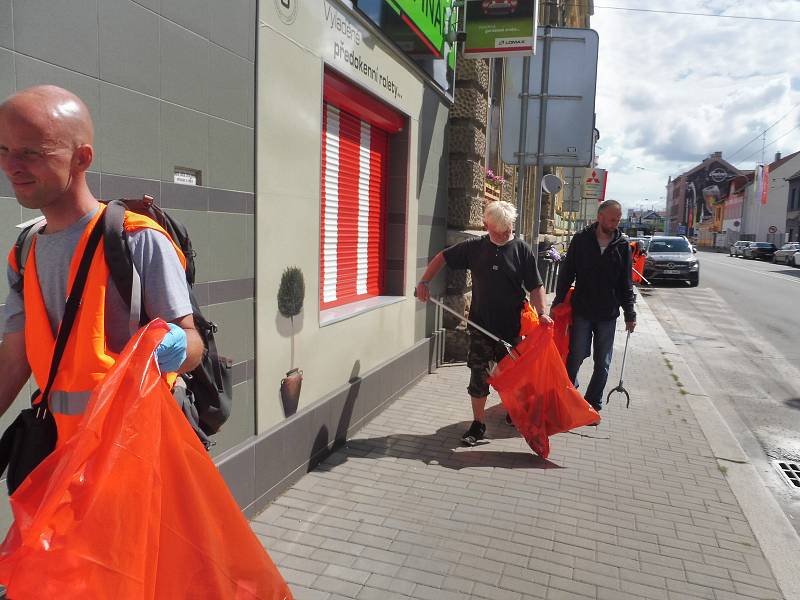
point(762, 250)
point(671, 258)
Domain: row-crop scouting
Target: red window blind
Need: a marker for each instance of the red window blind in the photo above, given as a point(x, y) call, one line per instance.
point(353, 212)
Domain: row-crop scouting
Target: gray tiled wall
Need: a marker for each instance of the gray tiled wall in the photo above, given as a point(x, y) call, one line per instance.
point(169, 83)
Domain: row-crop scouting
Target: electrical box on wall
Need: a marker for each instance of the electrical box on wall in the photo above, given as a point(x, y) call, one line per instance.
point(187, 176)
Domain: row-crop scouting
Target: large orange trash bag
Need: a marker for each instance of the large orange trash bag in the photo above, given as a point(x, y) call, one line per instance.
point(537, 393)
point(132, 507)
point(562, 323)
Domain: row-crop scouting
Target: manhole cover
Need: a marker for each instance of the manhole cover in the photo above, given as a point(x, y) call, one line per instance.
point(791, 472)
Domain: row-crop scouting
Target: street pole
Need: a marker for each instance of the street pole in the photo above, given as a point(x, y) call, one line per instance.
point(540, 147)
point(523, 141)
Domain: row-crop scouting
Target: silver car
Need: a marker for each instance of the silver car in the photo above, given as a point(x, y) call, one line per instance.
point(785, 254)
point(672, 258)
point(737, 249)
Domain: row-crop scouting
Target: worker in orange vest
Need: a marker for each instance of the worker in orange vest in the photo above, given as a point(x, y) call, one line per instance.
point(46, 137)
point(638, 256)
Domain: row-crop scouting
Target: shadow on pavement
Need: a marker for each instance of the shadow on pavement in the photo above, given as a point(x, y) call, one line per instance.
point(444, 447)
point(790, 272)
point(663, 283)
point(793, 403)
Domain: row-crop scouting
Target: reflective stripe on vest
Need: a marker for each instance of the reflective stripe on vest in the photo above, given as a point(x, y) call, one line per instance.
point(69, 403)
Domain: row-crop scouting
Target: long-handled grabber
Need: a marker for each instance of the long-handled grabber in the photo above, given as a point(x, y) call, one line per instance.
point(619, 389)
point(509, 347)
point(640, 275)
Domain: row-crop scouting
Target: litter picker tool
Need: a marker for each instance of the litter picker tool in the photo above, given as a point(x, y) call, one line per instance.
point(640, 275)
point(509, 347)
point(620, 389)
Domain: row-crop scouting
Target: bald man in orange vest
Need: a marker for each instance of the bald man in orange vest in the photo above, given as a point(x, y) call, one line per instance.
point(46, 137)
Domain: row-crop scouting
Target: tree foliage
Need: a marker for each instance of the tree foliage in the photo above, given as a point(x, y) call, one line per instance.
point(291, 292)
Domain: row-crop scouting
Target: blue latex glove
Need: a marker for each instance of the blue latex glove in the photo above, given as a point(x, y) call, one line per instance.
point(171, 352)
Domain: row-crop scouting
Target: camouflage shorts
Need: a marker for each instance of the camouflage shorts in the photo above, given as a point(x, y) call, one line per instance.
point(484, 354)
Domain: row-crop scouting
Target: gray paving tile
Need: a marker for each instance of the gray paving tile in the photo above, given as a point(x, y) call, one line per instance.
point(639, 510)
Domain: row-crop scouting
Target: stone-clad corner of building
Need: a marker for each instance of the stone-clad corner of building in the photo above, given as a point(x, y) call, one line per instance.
point(473, 72)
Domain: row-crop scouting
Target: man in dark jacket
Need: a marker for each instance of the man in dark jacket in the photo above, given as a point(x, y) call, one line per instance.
point(599, 262)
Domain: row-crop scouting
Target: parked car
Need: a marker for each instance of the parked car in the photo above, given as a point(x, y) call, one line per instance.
point(737, 247)
point(759, 250)
point(671, 258)
point(786, 253)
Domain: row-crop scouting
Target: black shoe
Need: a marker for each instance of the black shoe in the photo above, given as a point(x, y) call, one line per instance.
point(475, 433)
point(508, 419)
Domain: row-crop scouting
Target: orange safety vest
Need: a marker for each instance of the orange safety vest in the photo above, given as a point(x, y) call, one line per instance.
point(86, 358)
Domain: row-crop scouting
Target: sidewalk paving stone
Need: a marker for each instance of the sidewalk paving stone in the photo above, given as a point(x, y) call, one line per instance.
point(635, 508)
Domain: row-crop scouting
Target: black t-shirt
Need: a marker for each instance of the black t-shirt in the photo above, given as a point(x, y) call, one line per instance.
point(498, 276)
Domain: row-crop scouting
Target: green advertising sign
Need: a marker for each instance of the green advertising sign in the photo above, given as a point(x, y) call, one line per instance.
point(429, 18)
point(420, 30)
point(497, 28)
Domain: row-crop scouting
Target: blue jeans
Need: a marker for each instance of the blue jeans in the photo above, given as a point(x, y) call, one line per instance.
point(580, 347)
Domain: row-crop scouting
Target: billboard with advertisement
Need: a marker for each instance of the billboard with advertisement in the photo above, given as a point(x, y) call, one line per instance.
point(497, 28)
point(705, 195)
point(420, 30)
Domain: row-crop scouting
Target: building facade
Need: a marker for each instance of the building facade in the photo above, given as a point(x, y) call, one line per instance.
point(793, 208)
point(695, 199)
point(283, 133)
point(765, 212)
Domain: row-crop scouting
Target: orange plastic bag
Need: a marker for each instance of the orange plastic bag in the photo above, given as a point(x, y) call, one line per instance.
point(528, 319)
point(132, 507)
point(538, 394)
point(562, 323)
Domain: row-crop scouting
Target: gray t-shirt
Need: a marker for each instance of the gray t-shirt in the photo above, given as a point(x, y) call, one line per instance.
point(165, 291)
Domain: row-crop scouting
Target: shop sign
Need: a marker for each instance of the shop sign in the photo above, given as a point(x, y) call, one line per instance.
point(594, 184)
point(428, 19)
point(420, 29)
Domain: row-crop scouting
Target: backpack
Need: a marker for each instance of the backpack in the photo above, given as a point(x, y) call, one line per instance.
point(204, 394)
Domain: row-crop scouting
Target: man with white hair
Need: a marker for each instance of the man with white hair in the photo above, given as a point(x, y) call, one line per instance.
point(503, 268)
point(599, 262)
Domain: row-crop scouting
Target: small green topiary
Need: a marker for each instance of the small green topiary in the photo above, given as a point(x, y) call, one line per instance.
point(291, 292)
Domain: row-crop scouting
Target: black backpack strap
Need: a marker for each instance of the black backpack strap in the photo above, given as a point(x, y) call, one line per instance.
point(22, 249)
point(120, 263)
point(71, 308)
point(117, 251)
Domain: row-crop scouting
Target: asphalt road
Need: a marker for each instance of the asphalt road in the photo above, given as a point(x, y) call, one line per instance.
point(739, 331)
point(763, 294)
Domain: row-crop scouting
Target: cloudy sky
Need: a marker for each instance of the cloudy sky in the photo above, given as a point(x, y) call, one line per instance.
point(672, 89)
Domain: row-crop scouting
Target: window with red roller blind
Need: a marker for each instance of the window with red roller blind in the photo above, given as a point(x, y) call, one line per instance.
point(355, 141)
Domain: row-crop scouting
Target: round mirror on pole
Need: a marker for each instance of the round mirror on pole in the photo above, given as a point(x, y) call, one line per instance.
point(551, 184)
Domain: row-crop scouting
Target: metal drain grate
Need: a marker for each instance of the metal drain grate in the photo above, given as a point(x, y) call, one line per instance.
point(791, 471)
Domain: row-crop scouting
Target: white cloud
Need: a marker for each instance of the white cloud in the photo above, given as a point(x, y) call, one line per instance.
point(672, 89)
